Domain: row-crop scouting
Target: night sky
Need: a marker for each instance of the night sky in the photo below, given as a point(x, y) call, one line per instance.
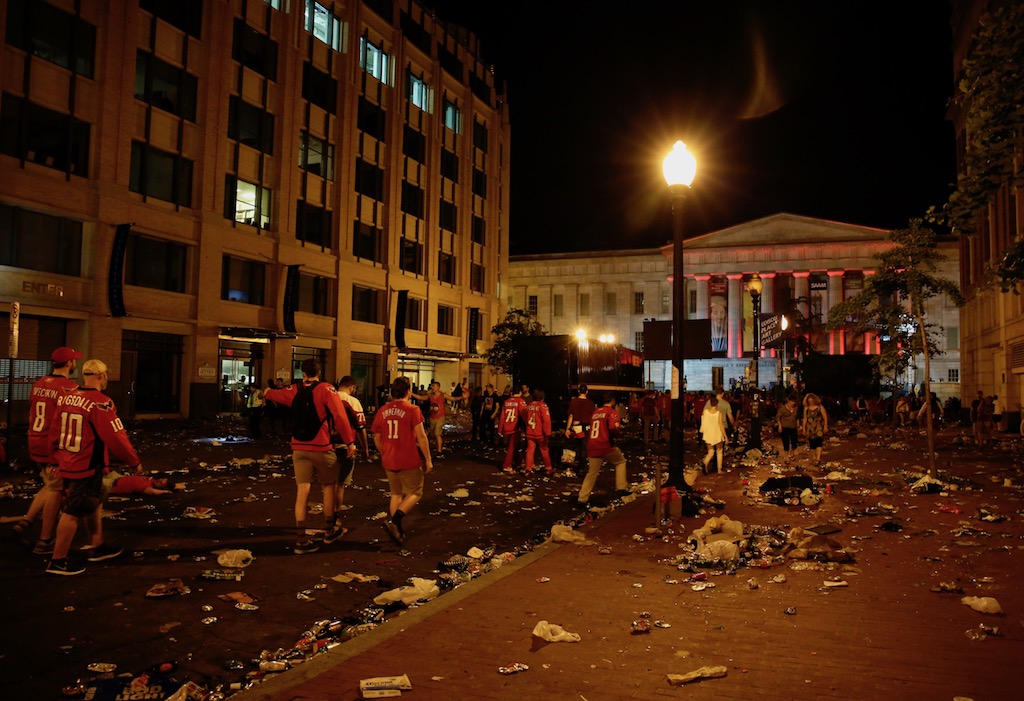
point(825, 109)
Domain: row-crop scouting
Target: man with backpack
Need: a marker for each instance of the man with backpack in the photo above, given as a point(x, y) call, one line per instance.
point(316, 411)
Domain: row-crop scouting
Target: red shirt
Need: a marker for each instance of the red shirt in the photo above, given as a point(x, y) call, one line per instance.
point(649, 405)
point(538, 420)
point(86, 432)
point(132, 484)
point(396, 424)
point(43, 405)
point(581, 410)
point(604, 426)
point(508, 420)
point(665, 404)
point(436, 405)
point(326, 401)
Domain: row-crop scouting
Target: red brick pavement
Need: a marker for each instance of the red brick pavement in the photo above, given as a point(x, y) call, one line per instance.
point(885, 636)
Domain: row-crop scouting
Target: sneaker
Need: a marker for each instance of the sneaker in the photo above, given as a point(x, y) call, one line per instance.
point(334, 534)
point(43, 547)
point(396, 534)
point(306, 545)
point(103, 552)
point(63, 568)
point(508, 470)
point(583, 505)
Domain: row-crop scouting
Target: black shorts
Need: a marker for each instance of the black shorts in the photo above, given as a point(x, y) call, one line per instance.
point(83, 496)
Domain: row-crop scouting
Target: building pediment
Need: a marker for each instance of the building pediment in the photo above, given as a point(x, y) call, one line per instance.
point(785, 229)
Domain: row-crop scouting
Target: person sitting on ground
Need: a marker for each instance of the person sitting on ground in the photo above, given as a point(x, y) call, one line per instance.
point(117, 484)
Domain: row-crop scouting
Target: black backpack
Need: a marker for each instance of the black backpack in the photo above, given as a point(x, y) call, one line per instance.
point(306, 422)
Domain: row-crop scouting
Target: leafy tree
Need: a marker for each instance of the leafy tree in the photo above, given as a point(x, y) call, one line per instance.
point(516, 324)
point(904, 281)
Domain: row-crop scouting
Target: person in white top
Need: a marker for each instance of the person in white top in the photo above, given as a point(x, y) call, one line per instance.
point(354, 410)
point(997, 412)
point(712, 428)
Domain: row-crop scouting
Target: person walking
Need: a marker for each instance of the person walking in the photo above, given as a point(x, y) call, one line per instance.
point(650, 417)
point(510, 422)
point(577, 426)
point(315, 408)
point(437, 399)
point(787, 422)
point(254, 407)
point(814, 425)
point(405, 454)
point(347, 463)
point(538, 430)
point(85, 433)
point(601, 449)
point(488, 407)
point(712, 429)
point(42, 408)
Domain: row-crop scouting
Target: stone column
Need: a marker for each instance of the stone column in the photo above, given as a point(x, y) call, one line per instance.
point(702, 296)
point(836, 339)
point(802, 290)
point(735, 315)
point(870, 337)
point(768, 303)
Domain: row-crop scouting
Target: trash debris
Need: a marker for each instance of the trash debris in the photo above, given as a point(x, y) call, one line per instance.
point(355, 577)
point(948, 588)
point(460, 493)
point(513, 668)
point(982, 604)
point(641, 626)
point(172, 587)
point(101, 667)
point(238, 597)
point(543, 580)
point(418, 590)
point(561, 533)
point(554, 633)
point(202, 512)
point(981, 632)
point(369, 687)
point(791, 611)
point(833, 583)
point(236, 575)
point(235, 558)
point(706, 672)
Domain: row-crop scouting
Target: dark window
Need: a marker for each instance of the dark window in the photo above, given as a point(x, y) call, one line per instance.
point(186, 15)
point(242, 280)
point(367, 305)
point(381, 7)
point(249, 125)
point(369, 180)
point(254, 50)
point(446, 267)
point(165, 86)
point(43, 136)
point(480, 88)
point(411, 259)
point(37, 241)
point(415, 32)
point(445, 320)
point(372, 119)
point(316, 155)
point(314, 295)
point(153, 263)
point(414, 314)
point(412, 200)
point(480, 136)
point(165, 176)
point(319, 88)
point(476, 277)
point(367, 242)
point(313, 225)
point(450, 62)
point(479, 183)
point(448, 215)
point(479, 231)
point(449, 165)
point(414, 145)
point(40, 29)
point(246, 203)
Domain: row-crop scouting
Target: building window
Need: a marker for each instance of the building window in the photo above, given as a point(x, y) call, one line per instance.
point(531, 305)
point(584, 304)
point(692, 304)
point(37, 241)
point(952, 338)
point(372, 120)
point(164, 86)
point(452, 117)
point(316, 155)
point(479, 183)
point(246, 203)
point(638, 341)
point(51, 139)
point(275, 4)
point(666, 302)
point(314, 295)
point(420, 94)
point(319, 88)
point(254, 50)
point(558, 305)
point(374, 61)
point(165, 176)
point(476, 277)
point(610, 303)
point(249, 125)
point(414, 314)
point(369, 180)
point(638, 302)
point(448, 214)
point(414, 145)
point(411, 256)
point(159, 265)
point(479, 231)
point(52, 34)
point(242, 280)
point(367, 305)
point(323, 25)
point(480, 136)
point(953, 375)
point(367, 242)
point(449, 165)
point(445, 320)
point(446, 267)
point(412, 200)
point(313, 225)
point(186, 15)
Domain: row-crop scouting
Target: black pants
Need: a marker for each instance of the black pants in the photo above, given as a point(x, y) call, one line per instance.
point(255, 420)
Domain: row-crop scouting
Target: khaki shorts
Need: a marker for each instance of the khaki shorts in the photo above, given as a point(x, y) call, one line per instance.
point(51, 477)
point(405, 482)
point(322, 466)
point(436, 426)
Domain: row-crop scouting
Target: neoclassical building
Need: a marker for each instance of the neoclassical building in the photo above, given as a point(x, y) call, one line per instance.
point(810, 264)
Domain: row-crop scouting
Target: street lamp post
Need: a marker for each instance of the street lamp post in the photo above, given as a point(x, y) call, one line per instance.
point(679, 168)
point(756, 286)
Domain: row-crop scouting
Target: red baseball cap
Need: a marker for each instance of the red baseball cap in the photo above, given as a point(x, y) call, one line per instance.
point(64, 355)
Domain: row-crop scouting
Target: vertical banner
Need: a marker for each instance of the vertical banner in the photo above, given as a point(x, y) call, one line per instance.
point(291, 298)
point(401, 309)
point(115, 278)
point(473, 330)
point(15, 323)
point(718, 313)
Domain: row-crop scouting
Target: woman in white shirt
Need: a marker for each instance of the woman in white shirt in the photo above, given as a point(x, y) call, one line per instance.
point(712, 428)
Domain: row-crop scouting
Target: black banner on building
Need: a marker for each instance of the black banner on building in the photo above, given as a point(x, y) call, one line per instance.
point(473, 331)
point(115, 278)
point(291, 299)
point(401, 308)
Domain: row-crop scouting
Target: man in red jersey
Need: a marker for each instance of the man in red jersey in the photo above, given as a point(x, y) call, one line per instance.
point(86, 432)
point(510, 422)
point(538, 429)
point(42, 407)
point(405, 453)
point(604, 427)
point(316, 407)
point(577, 426)
point(437, 399)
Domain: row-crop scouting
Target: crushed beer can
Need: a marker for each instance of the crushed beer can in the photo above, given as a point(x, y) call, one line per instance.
point(513, 668)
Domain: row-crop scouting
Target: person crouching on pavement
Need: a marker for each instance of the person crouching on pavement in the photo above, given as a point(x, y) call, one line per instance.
point(712, 429)
point(404, 452)
point(604, 428)
point(313, 451)
point(538, 430)
point(85, 432)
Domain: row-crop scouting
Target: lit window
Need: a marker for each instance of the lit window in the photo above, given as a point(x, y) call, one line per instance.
point(316, 155)
point(420, 93)
point(374, 61)
point(250, 205)
point(452, 117)
point(323, 25)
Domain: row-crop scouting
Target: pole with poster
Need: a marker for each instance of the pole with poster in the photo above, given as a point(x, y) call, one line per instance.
point(13, 353)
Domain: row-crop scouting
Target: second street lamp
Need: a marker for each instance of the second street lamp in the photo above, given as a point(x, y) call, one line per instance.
point(755, 286)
